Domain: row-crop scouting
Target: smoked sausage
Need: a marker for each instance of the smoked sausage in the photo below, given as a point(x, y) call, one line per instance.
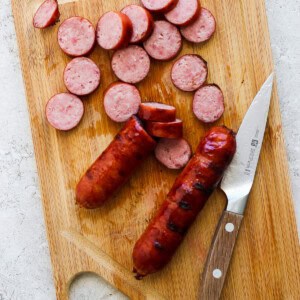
point(46, 15)
point(188, 195)
point(115, 165)
point(157, 112)
point(169, 130)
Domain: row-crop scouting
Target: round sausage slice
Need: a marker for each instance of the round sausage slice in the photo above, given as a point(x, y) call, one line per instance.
point(76, 36)
point(159, 6)
point(131, 64)
point(114, 30)
point(169, 130)
point(189, 72)
point(142, 22)
point(173, 153)
point(81, 76)
point(121, 101)
point(165, 41)
point(157, 112)
point(64, 111)
point(208, 104)
point(202, 29)
point(46, 15)
point(184, 13)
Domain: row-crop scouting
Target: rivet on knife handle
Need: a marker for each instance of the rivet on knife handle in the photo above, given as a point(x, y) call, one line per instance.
point(219, 256)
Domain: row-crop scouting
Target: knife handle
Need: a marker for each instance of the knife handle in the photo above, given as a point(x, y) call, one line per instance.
point(219, 256)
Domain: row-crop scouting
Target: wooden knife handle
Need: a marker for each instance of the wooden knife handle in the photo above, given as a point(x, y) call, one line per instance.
point(219, 256)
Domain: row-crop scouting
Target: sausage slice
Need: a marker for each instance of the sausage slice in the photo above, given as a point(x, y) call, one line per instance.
point(142, 22)
point(184, 13)
point(46, 15)
point(121, 101)
point(165, 41)
point(81, 76)
point(201, 29)
point(158, 112)
point(208, 104)
point(189, 72)
point(76, 36)
point(64, 111)
point(115, 165)
point(169, 130)
point(114, 30)
point(159, 6)
point(131, 64)
point(173, 153)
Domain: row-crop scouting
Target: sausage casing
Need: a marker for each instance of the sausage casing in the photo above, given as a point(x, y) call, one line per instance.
point(186, 198)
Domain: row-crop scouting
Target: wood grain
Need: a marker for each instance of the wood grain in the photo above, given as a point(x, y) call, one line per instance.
point(265, 264)
point(219, 256)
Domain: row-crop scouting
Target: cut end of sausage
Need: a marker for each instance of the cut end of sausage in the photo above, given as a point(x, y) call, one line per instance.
point(184, 13)
point(173, 153)
point(169, 130)
point(131, 64)
point(159, 6)
point(157, 112)
point(142, 22)
point(208, 104)
point(64, 111)
point(201, 29)
point(121, 101)
point(76, 36)
point(165, 41)
point(114, 30)
point(46, 15)
point(81, 76)
point(189, 72)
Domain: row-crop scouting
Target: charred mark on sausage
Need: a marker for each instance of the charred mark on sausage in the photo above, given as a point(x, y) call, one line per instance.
point(198, 186)
point(184, 205)
point(173, 227)
point(158, 245)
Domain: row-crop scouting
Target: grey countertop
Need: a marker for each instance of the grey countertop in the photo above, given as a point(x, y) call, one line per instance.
point(25, 270)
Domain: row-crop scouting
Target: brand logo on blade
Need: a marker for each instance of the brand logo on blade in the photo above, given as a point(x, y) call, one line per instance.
point(254, 145)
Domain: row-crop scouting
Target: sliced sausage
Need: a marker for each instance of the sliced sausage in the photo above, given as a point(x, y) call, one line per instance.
point(81, 76)
point(131, 64)
point(169, 130)
point(201, 29)
point(76, 36)
point(121, 101)
point(64, 111)
point(189, 72)
point(184, 13)
point(173, 153)
point(185, 200)
point(114, 30)
point(208, 104)
point(157, 112)
point(46, 15)
point(115, 165)
point(165, 41)
point(142, 22)
point(159, 6)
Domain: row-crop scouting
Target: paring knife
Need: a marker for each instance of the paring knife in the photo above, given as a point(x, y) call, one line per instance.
point(236, 184)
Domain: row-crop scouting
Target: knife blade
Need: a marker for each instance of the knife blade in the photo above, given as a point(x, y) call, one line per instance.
point(236, 184)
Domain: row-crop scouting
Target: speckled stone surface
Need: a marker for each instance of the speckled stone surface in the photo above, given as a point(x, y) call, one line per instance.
point(25, 270)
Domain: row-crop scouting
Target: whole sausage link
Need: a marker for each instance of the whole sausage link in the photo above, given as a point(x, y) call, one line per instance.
point(188, 195)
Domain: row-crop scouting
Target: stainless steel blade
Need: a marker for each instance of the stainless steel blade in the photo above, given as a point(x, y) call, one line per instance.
point(238, 179)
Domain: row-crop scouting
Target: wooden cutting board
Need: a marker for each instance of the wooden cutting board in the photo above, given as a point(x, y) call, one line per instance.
point(266, 260)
